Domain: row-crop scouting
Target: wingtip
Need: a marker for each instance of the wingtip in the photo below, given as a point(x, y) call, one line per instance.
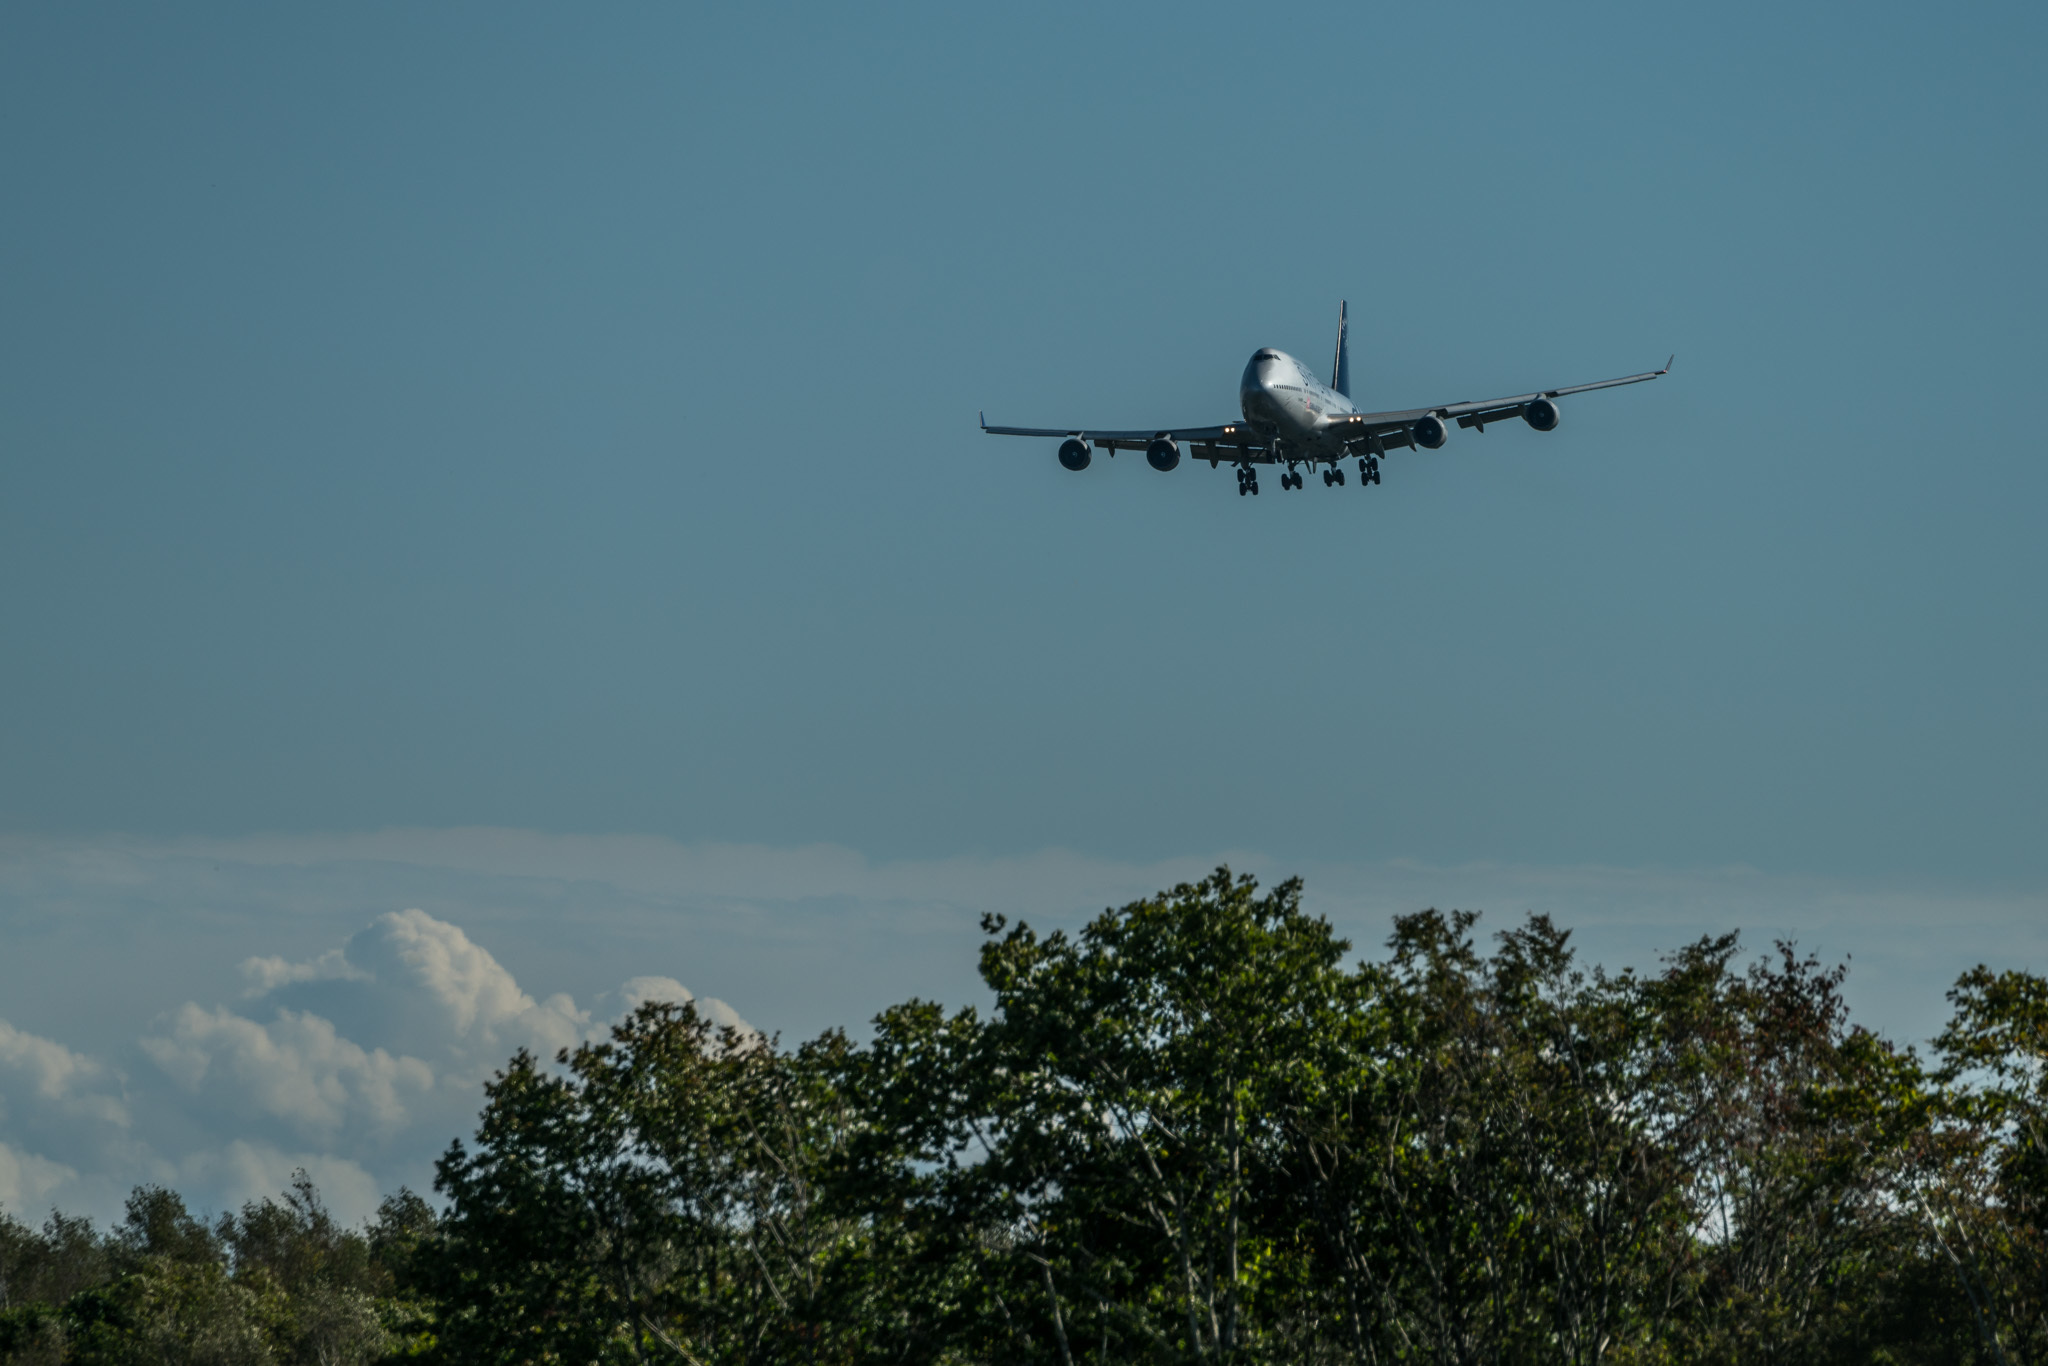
point(1667, 364)
point(983, 417)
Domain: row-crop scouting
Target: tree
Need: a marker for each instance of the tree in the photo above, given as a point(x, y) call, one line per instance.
point(1991, 1221)
point(1498, 1166)
point(1800, 1176)
point(320, 1278)
point(658, 1197)
point(1114, 1135)
point(50, 1265)
point(404, 1244)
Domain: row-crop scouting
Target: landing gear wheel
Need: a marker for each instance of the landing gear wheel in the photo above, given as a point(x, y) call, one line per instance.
point(1337, 478)
point(1326, 479)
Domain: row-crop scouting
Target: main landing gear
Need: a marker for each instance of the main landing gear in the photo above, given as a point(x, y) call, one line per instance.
point(1292, 478)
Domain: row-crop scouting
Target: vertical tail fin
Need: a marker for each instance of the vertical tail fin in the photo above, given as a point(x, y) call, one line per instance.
point(1340, 372)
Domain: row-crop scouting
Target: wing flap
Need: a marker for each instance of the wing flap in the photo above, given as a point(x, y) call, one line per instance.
point(1104, 439)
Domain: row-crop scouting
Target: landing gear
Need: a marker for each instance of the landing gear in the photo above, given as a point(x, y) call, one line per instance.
point(1247, 481)
point(1333, 477)
point(1326, 479)
point(1291, 479)
point(1368, 469)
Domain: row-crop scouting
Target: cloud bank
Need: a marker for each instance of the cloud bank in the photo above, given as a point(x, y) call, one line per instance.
point(358, 1064)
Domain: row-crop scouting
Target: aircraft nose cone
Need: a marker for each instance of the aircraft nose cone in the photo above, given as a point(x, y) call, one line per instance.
point(1255, 402)
point(1254, 391)
point(1255, 371)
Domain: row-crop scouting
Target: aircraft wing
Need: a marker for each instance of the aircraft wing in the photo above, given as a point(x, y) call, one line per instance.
point(1359, 426)
point(1230, 433)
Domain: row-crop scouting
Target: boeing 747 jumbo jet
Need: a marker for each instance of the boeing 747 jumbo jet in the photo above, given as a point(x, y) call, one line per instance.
point(1291, 418)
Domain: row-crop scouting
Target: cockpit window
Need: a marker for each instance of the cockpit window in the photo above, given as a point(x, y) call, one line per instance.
point(1267, 355)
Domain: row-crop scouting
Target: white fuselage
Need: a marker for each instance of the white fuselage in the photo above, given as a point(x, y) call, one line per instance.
point(1283, 398)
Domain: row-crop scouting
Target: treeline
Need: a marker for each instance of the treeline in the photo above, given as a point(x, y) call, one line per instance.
point(1189, 1132)
point(280, 1282)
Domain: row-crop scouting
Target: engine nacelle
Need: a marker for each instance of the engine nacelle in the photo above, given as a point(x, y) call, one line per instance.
point(1431, 433)
point(1541, 414)
point(1162, 455)
point(1074, 453)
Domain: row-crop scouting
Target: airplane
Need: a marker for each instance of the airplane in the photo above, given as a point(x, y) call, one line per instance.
point(1293, 418)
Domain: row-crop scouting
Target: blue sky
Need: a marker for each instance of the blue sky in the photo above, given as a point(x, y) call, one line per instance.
point(432, 419)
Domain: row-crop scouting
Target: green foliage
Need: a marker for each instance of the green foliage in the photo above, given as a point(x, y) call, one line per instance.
point(1991, 1217)
point(1094, 1153)
point(659, 1196)
point(50, 1265)
point(279, 1285)
point(1190, 1132)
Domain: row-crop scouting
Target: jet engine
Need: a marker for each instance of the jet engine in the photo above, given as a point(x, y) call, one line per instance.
point(1074, 453)
point(1431, 433)
point(1541, 414)
point(1162, 455)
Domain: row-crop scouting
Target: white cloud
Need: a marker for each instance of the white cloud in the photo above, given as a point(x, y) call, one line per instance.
point(483, 1011)
point(638, 991)
point(449, 1012)
point(295, 1068)
point(57, 1103)
point(358, 1060)
point(26, 1179)
point(56, 1078)
point(268, 974)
